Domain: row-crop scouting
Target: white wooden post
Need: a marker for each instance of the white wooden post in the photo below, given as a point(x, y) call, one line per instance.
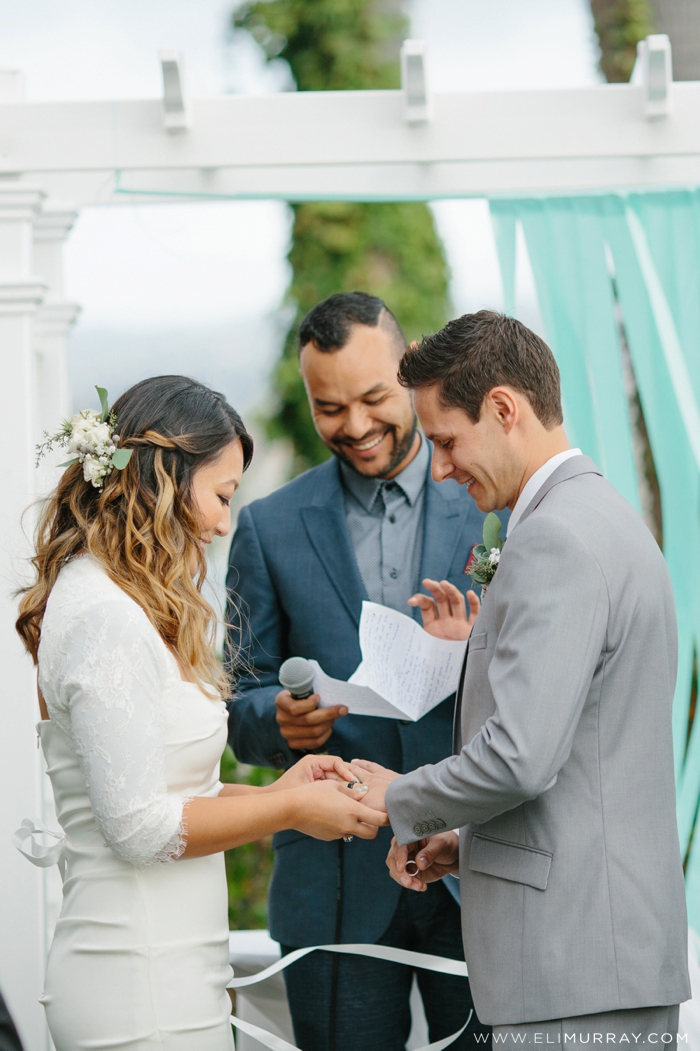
point(22, 928)
point(54, 318)
point(52, 404)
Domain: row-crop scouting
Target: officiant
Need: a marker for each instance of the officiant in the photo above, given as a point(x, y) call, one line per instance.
point(369, 523)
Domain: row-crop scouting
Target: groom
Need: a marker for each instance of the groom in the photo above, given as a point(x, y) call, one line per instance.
point(561, 785)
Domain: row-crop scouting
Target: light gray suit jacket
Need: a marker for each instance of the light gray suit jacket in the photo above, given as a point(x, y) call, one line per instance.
point(572, 887)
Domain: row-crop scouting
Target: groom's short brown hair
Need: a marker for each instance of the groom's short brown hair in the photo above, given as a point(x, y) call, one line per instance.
point(477, 352)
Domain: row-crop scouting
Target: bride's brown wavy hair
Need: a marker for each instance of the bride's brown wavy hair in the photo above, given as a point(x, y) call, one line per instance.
point(142, 527)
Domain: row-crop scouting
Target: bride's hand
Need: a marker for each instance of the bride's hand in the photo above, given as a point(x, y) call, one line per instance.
point(314, 768)
point(445, 614)
point(329, 809)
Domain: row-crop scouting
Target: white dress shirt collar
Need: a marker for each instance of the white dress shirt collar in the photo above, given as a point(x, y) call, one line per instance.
point(535, 483)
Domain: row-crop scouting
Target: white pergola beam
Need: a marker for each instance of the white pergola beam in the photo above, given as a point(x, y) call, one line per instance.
point(356, 144)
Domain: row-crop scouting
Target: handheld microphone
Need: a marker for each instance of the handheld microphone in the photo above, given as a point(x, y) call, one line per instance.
point(297, 676)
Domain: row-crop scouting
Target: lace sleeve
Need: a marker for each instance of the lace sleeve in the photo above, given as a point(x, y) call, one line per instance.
point(112, 673)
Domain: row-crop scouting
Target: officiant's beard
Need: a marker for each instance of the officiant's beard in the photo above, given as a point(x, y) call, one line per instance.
point(401, 446)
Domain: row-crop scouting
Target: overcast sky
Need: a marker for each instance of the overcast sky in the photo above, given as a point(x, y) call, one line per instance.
point(196, 287)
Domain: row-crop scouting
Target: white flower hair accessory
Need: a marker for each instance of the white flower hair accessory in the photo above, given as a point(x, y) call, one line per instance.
point(90, 435)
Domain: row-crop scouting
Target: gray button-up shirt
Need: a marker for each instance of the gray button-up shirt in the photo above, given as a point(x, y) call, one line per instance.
point(386, 521)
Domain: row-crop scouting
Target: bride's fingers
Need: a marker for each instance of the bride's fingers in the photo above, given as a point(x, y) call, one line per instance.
point(332, 767)
point(365, 830)
point(370, 816)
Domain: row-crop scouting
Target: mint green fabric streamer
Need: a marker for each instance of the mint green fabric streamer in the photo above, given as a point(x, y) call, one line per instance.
point(653, 241)
point(567, 252)
point(601, 343)
point(670, 343)
point(678, 480)
point(669, 247)
point(504, 220)
point(560, 328)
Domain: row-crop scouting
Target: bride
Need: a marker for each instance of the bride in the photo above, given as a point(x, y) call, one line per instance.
point(134, 725)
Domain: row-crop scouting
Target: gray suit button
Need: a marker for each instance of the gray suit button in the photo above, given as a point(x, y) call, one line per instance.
point(439, 824)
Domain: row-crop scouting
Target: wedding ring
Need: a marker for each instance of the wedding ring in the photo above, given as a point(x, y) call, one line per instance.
point(351, 784)
point(413, 870)
point(348, 839)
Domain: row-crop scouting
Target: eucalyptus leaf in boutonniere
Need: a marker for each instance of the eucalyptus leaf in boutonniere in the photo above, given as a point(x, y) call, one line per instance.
point(484, 559)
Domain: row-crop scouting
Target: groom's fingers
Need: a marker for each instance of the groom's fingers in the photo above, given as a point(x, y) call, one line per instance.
point(399, 855)
point(437, 849)
point(366, 765)
point(396, 863)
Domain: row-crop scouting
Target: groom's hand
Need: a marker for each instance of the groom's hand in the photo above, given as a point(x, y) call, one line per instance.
point(377, 777)
point(428, 859)
point(445, 615)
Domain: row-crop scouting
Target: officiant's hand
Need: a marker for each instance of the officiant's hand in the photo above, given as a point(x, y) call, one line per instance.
point(445, 614)
point(434, 858)
point(376, 777)
point(302, 723)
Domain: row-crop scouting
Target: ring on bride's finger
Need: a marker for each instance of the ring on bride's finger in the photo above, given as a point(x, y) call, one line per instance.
point(348, 839)
point(351, 784)
point(412, 871)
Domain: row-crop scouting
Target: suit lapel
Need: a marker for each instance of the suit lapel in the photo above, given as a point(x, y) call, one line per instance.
point(324, 522)
point(457, 718)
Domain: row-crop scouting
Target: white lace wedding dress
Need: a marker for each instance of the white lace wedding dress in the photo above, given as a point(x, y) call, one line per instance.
point(139, 959)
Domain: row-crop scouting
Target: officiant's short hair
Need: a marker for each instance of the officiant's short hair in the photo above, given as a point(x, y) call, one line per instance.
point(328, 326)
point(477, 352)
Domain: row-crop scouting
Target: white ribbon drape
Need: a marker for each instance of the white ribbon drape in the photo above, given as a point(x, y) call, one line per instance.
point(440, 964)
point(44, 856)
point(41, 856)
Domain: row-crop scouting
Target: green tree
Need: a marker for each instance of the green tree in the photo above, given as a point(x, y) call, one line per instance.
point(388, 249)
point(619, 26)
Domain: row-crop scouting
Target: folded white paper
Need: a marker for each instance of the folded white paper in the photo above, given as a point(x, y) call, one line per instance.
point(404, 672)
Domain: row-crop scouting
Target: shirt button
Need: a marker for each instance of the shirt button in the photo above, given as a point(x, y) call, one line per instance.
point(393, 573)
point(392, 518)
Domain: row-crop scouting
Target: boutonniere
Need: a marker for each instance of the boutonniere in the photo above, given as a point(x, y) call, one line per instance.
point(485, 557)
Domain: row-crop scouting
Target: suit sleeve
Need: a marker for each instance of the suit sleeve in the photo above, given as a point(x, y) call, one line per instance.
point(552, 602)
point(255, 649)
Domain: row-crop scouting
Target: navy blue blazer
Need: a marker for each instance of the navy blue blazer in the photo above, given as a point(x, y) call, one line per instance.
point(300, 594)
